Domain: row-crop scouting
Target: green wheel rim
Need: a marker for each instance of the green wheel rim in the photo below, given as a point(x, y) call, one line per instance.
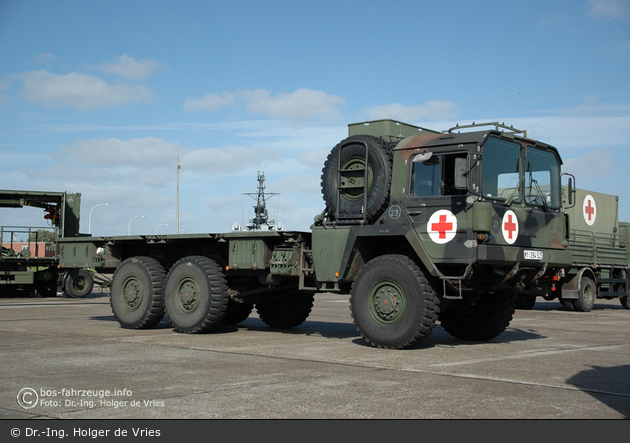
point(132, 295)
point(356, 163)
point(188, 296)
point(79, 284)
point(387, 303)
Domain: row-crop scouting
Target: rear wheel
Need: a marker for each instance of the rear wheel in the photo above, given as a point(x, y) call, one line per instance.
point(625, 302)
point(78, 283)
point(236, 312)
point(482, 319)
point(586, 295)
point(137, 293)
point(392, 304)
point(196, 295)
point(525, 302)
point(46, 288)
point(288, 310)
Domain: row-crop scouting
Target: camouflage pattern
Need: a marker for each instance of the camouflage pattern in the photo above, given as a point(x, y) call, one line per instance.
point(476, 255)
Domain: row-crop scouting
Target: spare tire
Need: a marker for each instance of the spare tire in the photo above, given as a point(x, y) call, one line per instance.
point(350, 203)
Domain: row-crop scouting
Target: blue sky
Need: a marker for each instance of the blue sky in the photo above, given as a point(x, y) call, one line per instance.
point(96, 96)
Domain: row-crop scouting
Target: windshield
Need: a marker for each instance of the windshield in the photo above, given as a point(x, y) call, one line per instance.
point(501, 160)
point(542, 173)
point(503, 179)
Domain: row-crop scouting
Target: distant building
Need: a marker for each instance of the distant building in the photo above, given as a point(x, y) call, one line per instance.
point(39, 249)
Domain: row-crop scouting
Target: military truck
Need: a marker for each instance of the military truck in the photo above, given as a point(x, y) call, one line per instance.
point(599, 246)
point(30, 269)
point(419, 227)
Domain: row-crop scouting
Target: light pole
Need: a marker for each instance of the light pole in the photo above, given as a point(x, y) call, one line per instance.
point(90, 217)
point(129, 229)
point(163, 224)
point(178, 168)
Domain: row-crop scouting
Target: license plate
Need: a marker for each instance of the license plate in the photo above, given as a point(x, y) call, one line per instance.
point(533, 255)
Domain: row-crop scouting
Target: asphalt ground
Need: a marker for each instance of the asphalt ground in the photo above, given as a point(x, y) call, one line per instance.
point(69, 359)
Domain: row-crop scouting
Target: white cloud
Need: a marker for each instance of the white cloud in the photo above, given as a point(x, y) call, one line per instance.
point(210, 102)
point(146, 152)
point(593, 164)
point(130, 68)
point(227, 160)
point(78, 90)
point(610, 8)
point(591, 107)
point(432, 110)
point(45, 57)
point(301, 105)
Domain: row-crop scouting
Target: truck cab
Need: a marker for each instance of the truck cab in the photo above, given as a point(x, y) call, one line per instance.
point(477, 210)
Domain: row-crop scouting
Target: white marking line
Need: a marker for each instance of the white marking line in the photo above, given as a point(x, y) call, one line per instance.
point(518, 356)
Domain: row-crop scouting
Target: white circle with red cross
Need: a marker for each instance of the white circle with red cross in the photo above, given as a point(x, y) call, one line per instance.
point(589, 210)
point(509, 227)
point(442, 226)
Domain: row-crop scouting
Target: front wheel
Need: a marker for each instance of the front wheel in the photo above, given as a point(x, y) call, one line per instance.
point(625, 302)
point(392, 304)
point(586, 295)
point(196, 295)
point(482, 319)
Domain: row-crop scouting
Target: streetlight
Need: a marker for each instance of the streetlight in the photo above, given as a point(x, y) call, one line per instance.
point(90, 217)
point(163, 224)
point(178, 168)
point(129, 229)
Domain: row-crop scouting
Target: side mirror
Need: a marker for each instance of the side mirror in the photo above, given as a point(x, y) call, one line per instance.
point(461, 171)
point(570, 196)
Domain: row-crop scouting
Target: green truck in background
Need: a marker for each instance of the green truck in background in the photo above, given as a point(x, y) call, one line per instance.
point(598, 242)
point(420, 227)
point(29, 262)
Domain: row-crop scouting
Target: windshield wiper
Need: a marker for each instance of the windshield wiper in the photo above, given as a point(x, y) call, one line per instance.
point(516, 191)
point(540, 193)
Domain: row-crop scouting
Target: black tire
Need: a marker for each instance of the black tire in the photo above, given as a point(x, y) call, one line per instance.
point(392, 303)
point(196, 296)
point(625, 302)
point(586, 295)
point(525, 302)
point(351, 201)
point(237, 312)
point(46, 288)
point(287, 310)
point(137, 293)
point(78, 283)
point(482, 320)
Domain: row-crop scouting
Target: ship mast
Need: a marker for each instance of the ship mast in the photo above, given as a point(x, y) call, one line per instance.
point(261, 220)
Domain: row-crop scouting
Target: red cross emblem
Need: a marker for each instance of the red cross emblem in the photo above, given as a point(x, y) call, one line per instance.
point(509, 227)
point(442, 226)
point(590, 210)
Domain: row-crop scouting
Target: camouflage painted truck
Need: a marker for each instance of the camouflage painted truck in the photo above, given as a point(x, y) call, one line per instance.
point(598, 242)
point(419, 226)
point(32, 265)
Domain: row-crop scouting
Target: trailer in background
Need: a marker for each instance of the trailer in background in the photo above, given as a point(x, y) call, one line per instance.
point(29, 262)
